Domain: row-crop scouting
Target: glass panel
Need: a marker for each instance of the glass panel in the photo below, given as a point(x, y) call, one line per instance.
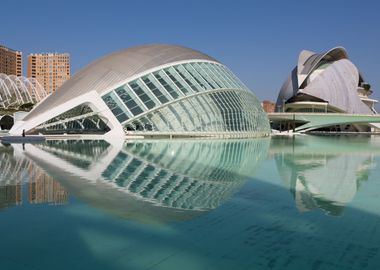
point(122, 117)
point(150, 84)
point(165, 120)
point(234, 78)
point(188, 78)
point(220, 75)
point(227, 76)
point(199, 79)
point(213, 75)
point(166, 85)
point(116, 107)
point(205, 76)
point(142, 95)
point(186, 117)
point(204, 113)
point(171, 75)
point(127, 99)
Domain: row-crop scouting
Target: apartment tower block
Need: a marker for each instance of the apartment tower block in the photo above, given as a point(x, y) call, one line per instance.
point(10, 61)
point(50, 69)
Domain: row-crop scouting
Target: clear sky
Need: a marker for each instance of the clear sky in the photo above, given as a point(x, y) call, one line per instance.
point(258, 40)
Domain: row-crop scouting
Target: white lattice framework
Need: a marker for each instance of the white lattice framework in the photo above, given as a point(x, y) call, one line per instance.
point(16, 91)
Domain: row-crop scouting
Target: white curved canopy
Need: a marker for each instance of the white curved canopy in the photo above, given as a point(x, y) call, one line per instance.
point(329, 77)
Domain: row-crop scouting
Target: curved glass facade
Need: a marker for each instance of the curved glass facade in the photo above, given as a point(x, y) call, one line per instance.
point(194, 97)
point(79, 120)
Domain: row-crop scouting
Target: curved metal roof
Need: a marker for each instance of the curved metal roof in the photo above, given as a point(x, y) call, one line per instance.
point(310, 63)
point(115, 68)
point(337, 85)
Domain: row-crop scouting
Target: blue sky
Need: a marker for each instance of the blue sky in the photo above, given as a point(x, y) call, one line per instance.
point(258, 40)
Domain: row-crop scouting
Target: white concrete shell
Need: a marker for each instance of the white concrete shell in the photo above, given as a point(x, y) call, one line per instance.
point(151, 89)
point(328, 77)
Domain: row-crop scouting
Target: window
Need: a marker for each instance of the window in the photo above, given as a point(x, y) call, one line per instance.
point(166, 85)
point(154, 90)
point(128, 101)
point(142, 95)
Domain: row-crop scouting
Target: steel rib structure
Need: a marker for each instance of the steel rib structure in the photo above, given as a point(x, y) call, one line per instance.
point(16, 91)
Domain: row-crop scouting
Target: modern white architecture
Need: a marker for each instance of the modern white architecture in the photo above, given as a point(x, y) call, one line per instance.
point(325, 83)
point(151, 90)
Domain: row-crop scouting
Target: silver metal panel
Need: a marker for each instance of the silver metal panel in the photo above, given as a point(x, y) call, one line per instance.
point(338, 86)
point(312, 62)
point(288, 89)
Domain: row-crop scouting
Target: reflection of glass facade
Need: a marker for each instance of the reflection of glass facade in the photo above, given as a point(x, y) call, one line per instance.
point(179, 174)
point(185, 174)
point(186, 98)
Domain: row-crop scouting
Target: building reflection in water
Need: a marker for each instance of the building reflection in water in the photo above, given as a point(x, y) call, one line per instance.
point(323, 172)
point(44, 189)
point(19, 175)
point(158, 180)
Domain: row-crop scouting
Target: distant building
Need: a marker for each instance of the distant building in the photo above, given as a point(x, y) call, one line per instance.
point(50, 69)
point(10, 61)
point(325, 92)
point(268, 106)
point(326, 82)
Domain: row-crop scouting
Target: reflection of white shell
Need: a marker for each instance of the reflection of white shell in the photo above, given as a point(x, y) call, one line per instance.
point(329, 76)
point(322, 172)
point(336, 181)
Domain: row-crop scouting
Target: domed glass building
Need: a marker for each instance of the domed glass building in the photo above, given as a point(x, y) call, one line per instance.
point(151, 90)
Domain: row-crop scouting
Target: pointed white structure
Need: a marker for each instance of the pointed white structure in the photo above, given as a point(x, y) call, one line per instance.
point(325, 82)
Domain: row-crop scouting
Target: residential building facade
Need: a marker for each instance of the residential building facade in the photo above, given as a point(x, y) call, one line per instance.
point(10, 61)
point(50, 69)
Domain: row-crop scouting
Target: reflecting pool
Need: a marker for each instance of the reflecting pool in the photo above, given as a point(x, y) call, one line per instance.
point(302, 202)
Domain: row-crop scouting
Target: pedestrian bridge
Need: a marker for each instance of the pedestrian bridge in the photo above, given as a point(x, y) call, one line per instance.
point(309, 121)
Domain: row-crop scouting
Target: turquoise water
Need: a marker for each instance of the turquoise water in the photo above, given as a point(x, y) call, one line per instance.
point(283, 203)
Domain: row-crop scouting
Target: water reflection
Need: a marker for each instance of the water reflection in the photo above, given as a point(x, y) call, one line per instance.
point(324, 172)
point(151, 180)
point(21, 180)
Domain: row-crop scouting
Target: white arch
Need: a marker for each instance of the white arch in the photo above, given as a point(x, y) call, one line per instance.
point(334, 54)
point(20, 89)
point(16, 91)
